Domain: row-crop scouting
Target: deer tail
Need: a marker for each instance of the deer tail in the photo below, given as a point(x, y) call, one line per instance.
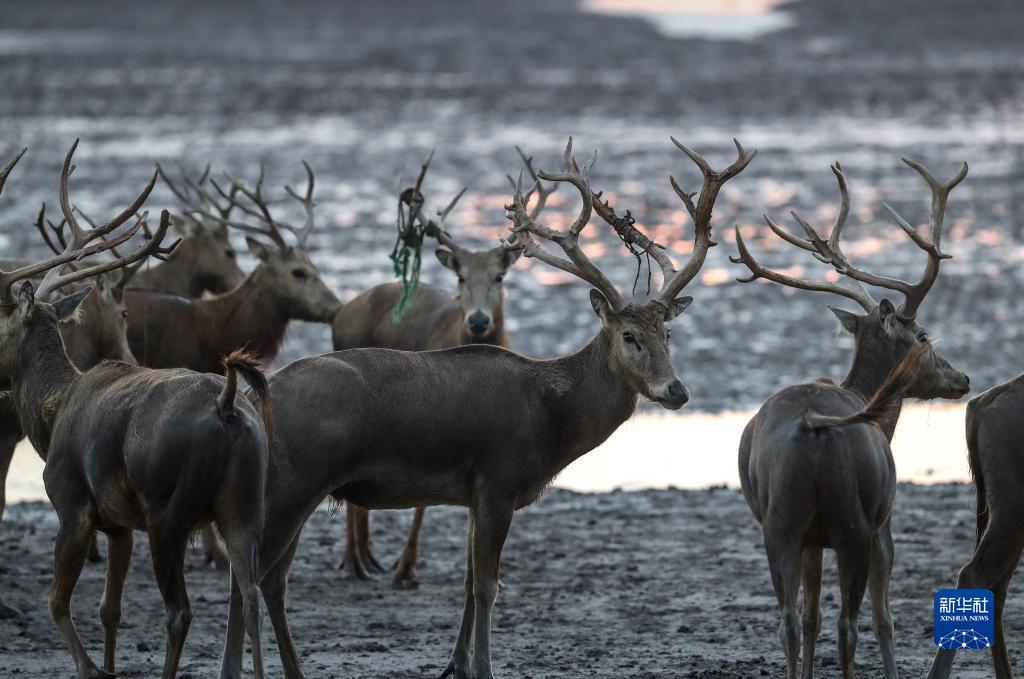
point(885, 402)
point(249, 366)
point(974, 459)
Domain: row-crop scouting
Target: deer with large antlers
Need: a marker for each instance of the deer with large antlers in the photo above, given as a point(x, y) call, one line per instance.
point(168, 330)
point(129, 448)
point(815, 464)
point(495, 429)
point(436, 319)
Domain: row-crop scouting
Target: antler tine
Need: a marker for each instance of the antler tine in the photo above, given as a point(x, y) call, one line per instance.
point(262, 211)
point(52, 282)
point(701, 213)
point(657, 252)
point(10, 166)
point(524, 227)
point(40, 224)
point(932, 244)
point(757, 270)
point(302, 234)
point(443, 237)
point(542, 193)
point(146, 233)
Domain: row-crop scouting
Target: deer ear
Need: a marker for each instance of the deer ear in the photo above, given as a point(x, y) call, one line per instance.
point(187, 227)
point(846, 319)
point(447, 259)
point(67, 307)
point(677, 307)
point(258, 249)
point(26, 295)
point(602, 307)
point(885, 309)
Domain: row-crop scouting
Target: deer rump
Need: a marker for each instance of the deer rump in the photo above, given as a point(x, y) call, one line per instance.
point(132, 407)
point(816, 476)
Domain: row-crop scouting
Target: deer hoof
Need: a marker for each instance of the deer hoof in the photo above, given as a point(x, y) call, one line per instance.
point(97, 673)
point(353, 571)
point(9, 613)
point(405, 581)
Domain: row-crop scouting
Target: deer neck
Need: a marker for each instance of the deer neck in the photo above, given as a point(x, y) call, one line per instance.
point(38, 382)
point(866, 374)
point(252, 315)
point(594, 400)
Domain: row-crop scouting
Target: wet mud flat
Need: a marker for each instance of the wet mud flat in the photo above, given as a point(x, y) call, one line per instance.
point(665, 583)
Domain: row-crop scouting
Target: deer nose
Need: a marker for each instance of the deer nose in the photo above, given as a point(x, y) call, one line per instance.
point(678, 392)
point(478, 322)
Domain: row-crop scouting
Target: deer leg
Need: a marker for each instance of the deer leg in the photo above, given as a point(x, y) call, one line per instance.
point(242, 543)
point(275, 592)
point(784, 556)
point(94, 555)
point(363, 543)
point(405, 569)
point(882, 556)
point(995, 557)
point(119, 547)
point(352, 563)
point(69, 558)
point(10, 434)
point(1000, 658)
point(213, 548)
point(168, 552)
point(458, 664)
point(854, 560)
point(234, 639)
point(491, 528)
point(810, 571)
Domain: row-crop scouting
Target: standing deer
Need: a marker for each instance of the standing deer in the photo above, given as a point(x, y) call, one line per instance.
point(129, 448)
point(167, 330)
point(474, 426)
point(994, 433)
point(436, 319)
point(815, 464)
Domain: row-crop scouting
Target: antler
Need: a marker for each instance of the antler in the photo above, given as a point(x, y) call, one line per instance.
point(302, 233)
point(830, 251)
point(525, 227)
point(542, 192)
point(78, 247)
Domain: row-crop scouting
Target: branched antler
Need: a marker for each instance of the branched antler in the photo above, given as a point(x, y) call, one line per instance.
point(830, 251)
point(78, 246)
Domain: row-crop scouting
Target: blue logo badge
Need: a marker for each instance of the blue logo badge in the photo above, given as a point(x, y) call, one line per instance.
point(964, 619)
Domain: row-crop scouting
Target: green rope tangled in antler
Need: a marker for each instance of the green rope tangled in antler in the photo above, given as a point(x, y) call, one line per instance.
point(412, 229)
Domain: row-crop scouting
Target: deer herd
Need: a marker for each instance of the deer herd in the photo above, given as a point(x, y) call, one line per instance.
point(121, 367)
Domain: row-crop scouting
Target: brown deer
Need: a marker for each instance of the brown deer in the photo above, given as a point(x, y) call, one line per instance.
point(994, 433)
point(129, 448)
point(815, 464)
point(435, 319)
point(167, 330)
point(475, 426)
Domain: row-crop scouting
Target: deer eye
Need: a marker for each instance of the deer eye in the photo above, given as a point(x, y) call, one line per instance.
point(124, 314)
point(499, 278)
point(230, 254)
point(922, 337)
point(299, 274)
point(628, 338)
point(461, 280)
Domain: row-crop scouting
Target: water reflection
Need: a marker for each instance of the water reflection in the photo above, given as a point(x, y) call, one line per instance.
point(695, 450)
point(720, 19)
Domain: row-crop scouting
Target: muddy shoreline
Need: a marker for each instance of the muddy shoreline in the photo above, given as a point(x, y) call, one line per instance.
point(666, 583)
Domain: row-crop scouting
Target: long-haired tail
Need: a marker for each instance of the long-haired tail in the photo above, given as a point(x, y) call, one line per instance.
point(885, 402)
point(249, 366)
point(974, 459)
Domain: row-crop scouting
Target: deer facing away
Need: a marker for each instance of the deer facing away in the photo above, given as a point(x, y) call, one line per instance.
point(129, 448)
point(354, 423)
point(815, 464)
point(434, 320)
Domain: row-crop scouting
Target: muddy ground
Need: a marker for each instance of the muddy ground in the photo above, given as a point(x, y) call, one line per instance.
point(655, 583)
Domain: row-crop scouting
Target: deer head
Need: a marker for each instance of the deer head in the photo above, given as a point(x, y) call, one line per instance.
point(886, 332)
point(28, 315)
point(637, 335)
point(285, 269)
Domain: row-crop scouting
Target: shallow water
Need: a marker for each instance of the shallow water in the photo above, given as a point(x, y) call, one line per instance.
point(693, 450)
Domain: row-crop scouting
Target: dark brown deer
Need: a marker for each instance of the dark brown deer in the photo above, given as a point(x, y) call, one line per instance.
point(994, 433)
point(129, 448)
point(815, 463)
point(475, 426)
point(435, 319)
point(167, 330)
